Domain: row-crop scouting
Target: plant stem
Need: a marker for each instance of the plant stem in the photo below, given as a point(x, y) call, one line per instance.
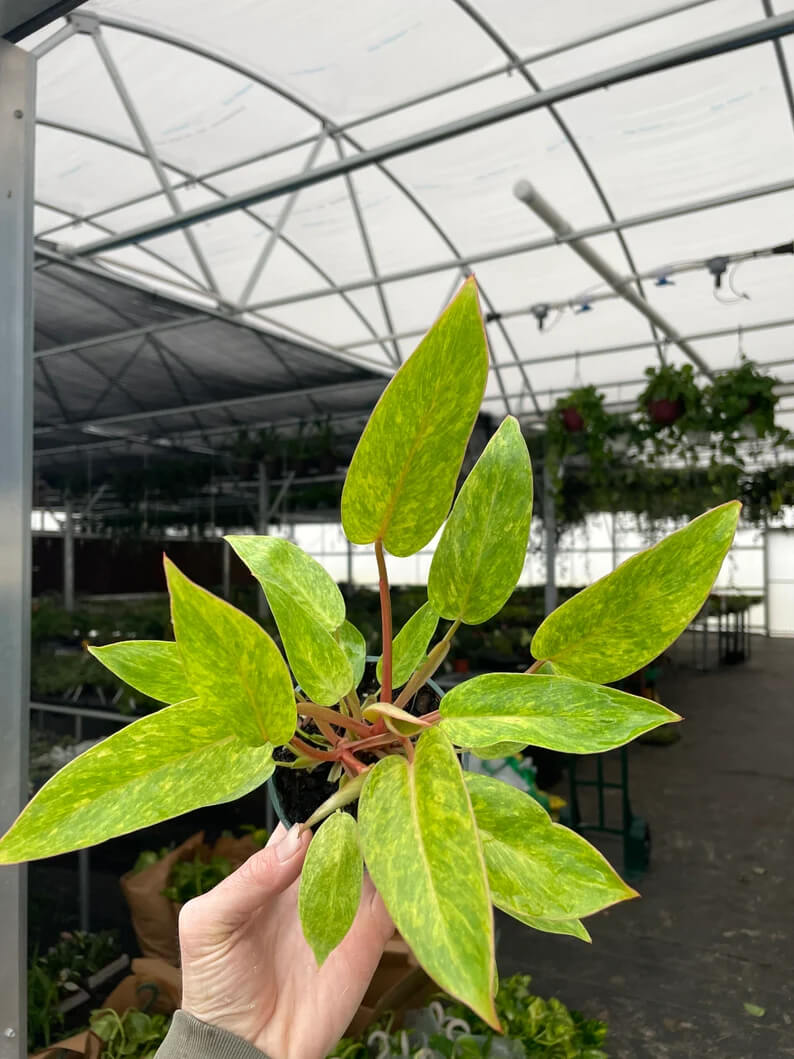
point(323, 713)
point(307, 750)
point(381, 739)
point(535, 666)
point(328, 732)
point(385, 609)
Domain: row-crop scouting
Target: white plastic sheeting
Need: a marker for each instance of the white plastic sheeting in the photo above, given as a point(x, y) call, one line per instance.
point(233, 95)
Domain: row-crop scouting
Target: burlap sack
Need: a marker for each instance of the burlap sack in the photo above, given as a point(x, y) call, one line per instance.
point(154, 917)
point(235, 850)
point(154, 987)
point(84, 1045)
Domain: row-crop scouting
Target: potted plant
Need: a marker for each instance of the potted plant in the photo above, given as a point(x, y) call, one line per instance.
point(742, 401)
point(582, 409)
point(441, 845)
point(670, 393)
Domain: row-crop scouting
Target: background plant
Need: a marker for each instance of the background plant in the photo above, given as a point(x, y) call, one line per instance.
point(442, 846)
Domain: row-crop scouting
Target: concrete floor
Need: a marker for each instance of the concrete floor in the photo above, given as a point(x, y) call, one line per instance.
point(671, 972)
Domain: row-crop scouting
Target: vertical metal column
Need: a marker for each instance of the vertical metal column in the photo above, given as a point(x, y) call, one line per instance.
point(766, 580)
point(68, 554)
point(349, 566)
point(550, 538)
point(17, 113)
point(263, 515)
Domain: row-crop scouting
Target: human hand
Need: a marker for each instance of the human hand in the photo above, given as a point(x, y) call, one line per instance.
point(247, 968)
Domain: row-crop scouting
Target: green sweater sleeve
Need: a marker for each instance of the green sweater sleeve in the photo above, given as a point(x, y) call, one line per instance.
point(189, 1038)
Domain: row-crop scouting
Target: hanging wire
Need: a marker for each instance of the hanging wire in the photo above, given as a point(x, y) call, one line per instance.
point(737, 295)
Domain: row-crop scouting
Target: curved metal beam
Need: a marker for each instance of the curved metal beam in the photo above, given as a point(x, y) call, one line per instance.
point(109, 141)
point(562, 125)
point(325, 120)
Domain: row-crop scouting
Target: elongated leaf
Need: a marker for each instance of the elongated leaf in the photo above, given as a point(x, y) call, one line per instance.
point(308, 609)
point(626, 619)
point(574, 928)
point(496, 750)
point(275, 561)
point(232, 662)
point(402, 477)
point(536, 867)
point(398, 720)
point(560, 713)
point(330, 886)
point(421, 847)
point(180, 758)
point(481, 552)
point(151, 666)
point(409, 646)
point(354, 645)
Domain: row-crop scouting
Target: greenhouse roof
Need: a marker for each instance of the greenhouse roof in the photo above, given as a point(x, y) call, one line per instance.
point(305, 185)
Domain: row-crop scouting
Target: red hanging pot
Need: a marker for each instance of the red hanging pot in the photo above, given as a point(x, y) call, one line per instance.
point(663, 411)
point(572, 420)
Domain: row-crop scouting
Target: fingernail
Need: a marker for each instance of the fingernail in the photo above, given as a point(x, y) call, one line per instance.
point(290, 844)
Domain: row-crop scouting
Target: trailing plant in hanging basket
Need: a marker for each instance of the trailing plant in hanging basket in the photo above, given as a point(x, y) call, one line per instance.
point(671, 395)
point(441, 844)
point(740, 398)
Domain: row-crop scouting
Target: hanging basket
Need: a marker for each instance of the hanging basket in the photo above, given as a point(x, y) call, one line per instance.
point(663, 412)
point(572, 419)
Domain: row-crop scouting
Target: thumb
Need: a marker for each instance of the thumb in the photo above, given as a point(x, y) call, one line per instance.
point(265, 875)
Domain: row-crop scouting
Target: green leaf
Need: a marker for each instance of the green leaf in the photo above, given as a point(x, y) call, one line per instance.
point(497, 750)
point(421, 848)
point(231, 661)
point(183, 757)
point(275, 561)
point(151, 666)
point(409, 646)
point(481, 552)
point(626, 619)
point(354, 645)
point(574, 928)
point(754, 1010)
point(536, 867)
point(308, 608)
point(402, 477)
point(330, 886)
point(560, 713)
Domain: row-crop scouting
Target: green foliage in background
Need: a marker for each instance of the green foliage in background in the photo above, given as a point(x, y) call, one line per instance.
point(534, 1028)
point(441, 847)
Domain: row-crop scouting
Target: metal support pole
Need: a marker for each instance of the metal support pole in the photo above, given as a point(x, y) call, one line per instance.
point(263, 513)
point(550, 536)
point(68, 554)
point(349, 565)
point(614, 540)
point(17, 113)
point(531, 197)
point(766, 579)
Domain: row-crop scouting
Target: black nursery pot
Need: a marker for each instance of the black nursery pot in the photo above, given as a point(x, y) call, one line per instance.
point(296, 793)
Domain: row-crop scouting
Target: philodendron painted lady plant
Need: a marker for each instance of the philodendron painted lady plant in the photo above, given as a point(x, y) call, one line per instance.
point(442, 844)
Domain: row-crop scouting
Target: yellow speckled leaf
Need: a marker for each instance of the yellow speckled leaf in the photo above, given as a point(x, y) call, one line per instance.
point(151, 666)
point(481, 553)
point(232, 662)
point(574, 928)
point(409, 646)
point(536, 867)
point(559, 713)
point(402, 477)
point(180, 758)
point(309, 611)
point(330, 886)
point(421, 848)
point(626, 619)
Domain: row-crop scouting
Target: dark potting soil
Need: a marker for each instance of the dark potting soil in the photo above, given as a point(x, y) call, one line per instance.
point(301, 791)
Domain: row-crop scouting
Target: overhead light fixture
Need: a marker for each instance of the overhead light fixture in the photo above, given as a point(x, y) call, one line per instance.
point(717, 267)
point(540, 312)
